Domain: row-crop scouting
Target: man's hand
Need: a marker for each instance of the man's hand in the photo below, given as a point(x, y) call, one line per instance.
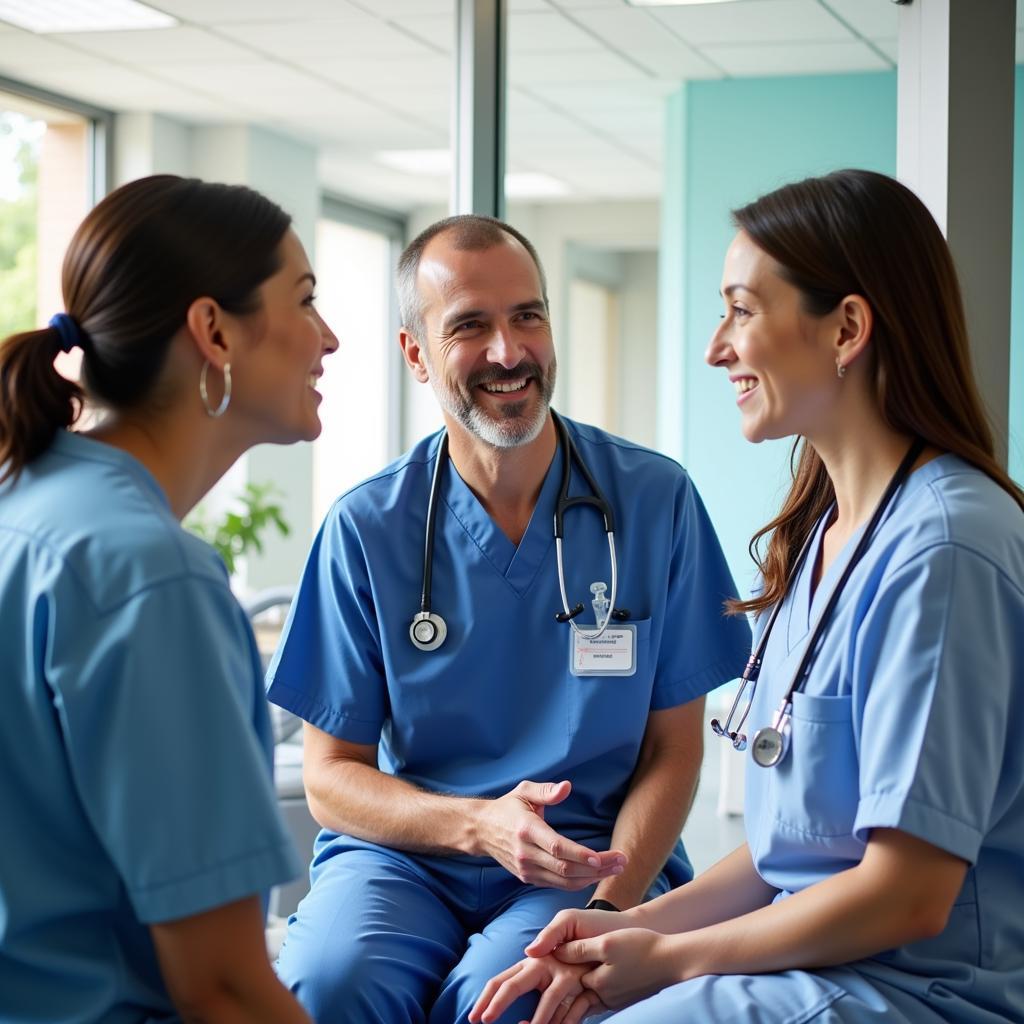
point(627, 965)
point(512, 831)
point(563, 998)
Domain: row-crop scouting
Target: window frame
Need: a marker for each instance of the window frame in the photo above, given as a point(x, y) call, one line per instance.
point(100, 159)
point(394, 226)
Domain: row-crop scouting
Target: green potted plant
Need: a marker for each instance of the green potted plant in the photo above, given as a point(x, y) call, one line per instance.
point(238, 532)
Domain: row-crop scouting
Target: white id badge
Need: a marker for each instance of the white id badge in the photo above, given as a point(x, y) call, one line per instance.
point(613, 653)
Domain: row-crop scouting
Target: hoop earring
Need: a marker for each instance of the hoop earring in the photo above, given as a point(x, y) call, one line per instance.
point(840, 369)
point(225, 401)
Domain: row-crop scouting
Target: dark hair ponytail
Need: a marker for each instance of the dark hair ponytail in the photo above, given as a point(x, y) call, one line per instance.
point(27, 372)
point(140, 258)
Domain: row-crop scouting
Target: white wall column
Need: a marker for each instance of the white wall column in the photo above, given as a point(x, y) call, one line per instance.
point(478, 130)
point(955, 149)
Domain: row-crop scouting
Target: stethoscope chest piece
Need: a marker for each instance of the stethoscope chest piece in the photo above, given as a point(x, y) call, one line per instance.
point(768, 747)
point(427, 631)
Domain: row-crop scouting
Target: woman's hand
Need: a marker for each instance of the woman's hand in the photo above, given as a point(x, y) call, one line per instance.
point(567, 925)
point(563, 998)
point(627, 965)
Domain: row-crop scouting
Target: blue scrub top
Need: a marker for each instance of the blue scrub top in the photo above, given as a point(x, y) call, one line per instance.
point(497, 704)
point(912, 718)
point(134, 740)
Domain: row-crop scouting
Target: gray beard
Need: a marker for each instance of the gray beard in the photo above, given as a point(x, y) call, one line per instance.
point(513, 430)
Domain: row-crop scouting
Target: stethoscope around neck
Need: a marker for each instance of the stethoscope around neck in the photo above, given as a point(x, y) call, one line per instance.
point(428, 630)
point(771, 742)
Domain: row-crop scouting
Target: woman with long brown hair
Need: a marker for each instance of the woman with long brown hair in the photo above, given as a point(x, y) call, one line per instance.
point(139, 820)
point(882, 709)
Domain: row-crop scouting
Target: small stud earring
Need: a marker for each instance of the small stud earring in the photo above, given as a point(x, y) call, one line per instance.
point(840, 369)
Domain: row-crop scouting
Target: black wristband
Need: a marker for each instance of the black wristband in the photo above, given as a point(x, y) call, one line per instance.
point(602, 905)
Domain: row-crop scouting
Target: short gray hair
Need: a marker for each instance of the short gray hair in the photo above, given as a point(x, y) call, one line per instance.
point(471, 232)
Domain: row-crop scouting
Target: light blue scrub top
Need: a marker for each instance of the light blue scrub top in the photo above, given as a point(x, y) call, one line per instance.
point(912, 718)
point(134, 739)
point(496, 703)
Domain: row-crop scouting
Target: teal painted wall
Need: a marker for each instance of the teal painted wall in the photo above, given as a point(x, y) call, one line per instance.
point(726, 143)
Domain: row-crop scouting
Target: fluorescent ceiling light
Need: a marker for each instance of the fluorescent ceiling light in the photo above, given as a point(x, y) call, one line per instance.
point(529, 185)
point(436, 162)
point(82, 15)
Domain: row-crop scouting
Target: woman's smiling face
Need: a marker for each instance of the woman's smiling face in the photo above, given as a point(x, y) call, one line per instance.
point(780, 358)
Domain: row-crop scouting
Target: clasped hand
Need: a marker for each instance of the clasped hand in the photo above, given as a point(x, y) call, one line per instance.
point(583, 963)
point(515, 834)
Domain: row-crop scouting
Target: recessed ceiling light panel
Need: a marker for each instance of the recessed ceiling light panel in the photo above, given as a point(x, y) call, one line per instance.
point(45, 16)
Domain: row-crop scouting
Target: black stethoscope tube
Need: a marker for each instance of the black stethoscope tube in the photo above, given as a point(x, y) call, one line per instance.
point(771, 742)
point(428, 630)
point(428, 544)
point(564, 503)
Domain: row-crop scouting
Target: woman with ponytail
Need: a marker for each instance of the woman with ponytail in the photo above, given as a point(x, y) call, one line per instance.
point(882, 710)
point(139, 819)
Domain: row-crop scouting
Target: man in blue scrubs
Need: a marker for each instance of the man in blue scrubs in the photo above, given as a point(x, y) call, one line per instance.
point(469, 792)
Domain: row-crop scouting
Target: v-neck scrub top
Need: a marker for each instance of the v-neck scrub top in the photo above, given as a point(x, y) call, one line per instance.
point(135, 781)
point(911, 718)
point(496, 703)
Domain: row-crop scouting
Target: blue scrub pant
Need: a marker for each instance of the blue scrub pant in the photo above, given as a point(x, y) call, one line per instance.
point(385, 937)
point(838, 995)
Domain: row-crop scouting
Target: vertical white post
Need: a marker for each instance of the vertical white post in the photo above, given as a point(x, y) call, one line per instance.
point(955, 149)
point(478, 181)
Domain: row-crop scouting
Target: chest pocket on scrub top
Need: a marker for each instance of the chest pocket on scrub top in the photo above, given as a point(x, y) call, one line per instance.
point(606, 709)
point(815, 791)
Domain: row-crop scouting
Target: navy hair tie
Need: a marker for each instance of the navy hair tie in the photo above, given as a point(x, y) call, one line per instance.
point(71, 335)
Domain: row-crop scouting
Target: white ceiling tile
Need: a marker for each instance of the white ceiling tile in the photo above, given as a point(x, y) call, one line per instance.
point(157, 46)
point(223, 12)
point(643, 120)
point(571, 5)
point(752, 21)
point(634, 31)
point(409, 77)
point(576, 149)
point(381, 132)
point(628, 28)
point(434, 30)
point(873, 19)
point(395, 10)
point(546, 33)
point(244, 81)
point(796, 58)
point(676, 65)
point(359, 36)
point(110, 86)
point(540, 69)
point(26, 50)
point(194, 108)
point(599, 96)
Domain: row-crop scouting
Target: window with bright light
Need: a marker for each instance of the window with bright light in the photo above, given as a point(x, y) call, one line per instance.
point(354, 268)
point(48, 182)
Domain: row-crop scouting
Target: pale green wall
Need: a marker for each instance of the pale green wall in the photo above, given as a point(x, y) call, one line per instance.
point(726, 143)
